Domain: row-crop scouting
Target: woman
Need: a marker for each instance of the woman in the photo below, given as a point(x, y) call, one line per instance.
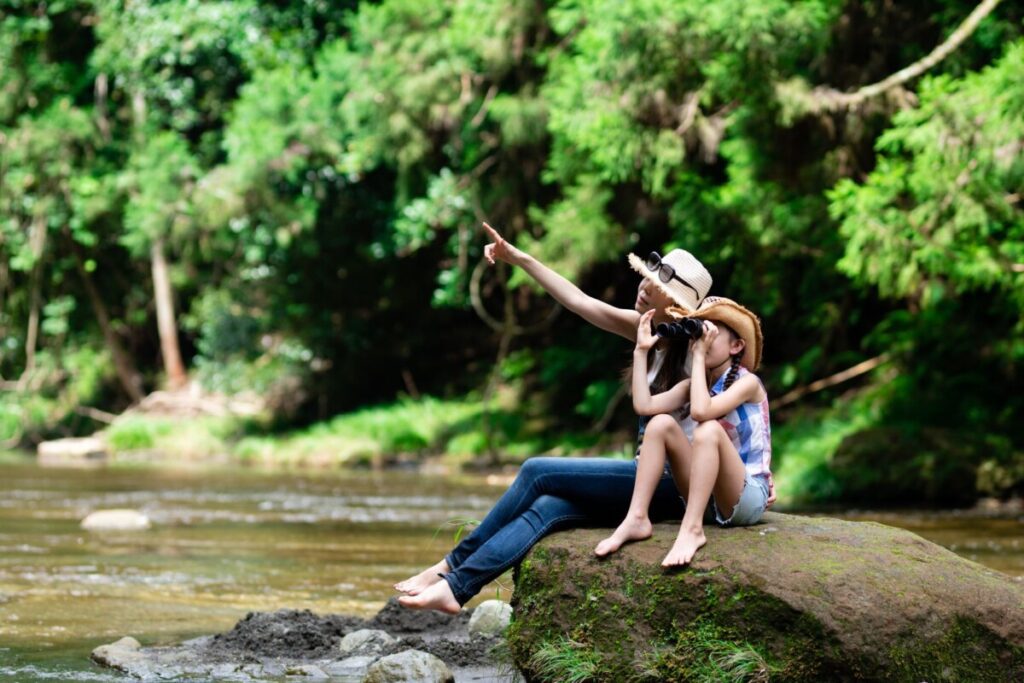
point(558, 493)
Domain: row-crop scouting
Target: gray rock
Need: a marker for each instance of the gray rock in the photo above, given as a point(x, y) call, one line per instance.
point(351, 667)
point(306, 670)
point(225, 670)
point(116, 520)
point(366, 641)
point(490, 618)
point(411, 665)
point(274, 669)
point(122, 655)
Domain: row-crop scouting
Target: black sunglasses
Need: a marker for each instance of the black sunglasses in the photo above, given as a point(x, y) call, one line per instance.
point(666, 273)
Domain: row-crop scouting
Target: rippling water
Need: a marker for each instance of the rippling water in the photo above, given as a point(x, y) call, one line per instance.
point(226, 542)
point(223, 543)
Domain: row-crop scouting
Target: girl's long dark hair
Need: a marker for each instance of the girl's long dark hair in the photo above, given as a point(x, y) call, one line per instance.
point(672, 371)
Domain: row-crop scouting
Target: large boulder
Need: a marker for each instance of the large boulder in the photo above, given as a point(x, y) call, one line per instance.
point(792, 599)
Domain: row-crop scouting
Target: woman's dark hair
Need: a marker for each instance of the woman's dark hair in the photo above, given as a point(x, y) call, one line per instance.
point(672, 370)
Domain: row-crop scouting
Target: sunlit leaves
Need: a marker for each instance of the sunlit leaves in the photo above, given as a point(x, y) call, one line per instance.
point(39, 161)
point(942, 210)
point(158, 183)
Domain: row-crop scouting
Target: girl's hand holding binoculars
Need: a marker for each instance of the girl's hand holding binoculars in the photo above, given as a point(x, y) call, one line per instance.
point(645, 337)
point(704, 343)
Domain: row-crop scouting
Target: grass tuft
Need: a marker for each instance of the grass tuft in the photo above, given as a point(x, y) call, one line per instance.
point(565, 661)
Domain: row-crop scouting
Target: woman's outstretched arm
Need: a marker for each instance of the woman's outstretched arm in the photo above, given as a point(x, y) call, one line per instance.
point(621, 321)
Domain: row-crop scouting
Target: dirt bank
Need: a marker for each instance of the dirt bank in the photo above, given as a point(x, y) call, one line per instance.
point(267, 645)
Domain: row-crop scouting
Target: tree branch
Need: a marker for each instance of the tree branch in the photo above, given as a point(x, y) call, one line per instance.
point(831, 380)
point(824, 99)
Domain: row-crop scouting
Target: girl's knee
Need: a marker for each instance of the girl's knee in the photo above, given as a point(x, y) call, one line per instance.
point(660, 425)
point(708, 431)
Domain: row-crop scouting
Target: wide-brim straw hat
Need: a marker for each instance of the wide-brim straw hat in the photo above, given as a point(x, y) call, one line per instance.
point(718, 309)
point(687, 267)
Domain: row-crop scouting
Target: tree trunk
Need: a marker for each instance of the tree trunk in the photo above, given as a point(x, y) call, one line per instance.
point(128, 375)
point(37, 242)
point(176, 377)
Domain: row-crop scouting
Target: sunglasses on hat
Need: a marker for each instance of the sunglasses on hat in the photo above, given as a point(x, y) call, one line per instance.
point(666, 273)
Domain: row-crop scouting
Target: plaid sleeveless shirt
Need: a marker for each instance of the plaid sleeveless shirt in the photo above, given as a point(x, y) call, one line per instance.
point(748, 427)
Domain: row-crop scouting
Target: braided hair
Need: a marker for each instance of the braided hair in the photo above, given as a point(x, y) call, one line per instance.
point(734, 367)
point(734, 370)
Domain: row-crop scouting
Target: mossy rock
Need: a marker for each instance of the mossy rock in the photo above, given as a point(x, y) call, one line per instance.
point(892, 466)
point(792, 599)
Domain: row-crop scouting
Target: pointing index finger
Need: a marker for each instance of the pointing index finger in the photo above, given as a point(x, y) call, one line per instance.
point(492, 232)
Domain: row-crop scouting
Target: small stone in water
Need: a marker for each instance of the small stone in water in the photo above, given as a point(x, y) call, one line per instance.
point(116, 520)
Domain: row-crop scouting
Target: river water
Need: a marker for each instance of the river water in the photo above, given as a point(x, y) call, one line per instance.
point(228, 541)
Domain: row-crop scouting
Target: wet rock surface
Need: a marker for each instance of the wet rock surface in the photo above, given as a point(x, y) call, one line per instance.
point(293, 643)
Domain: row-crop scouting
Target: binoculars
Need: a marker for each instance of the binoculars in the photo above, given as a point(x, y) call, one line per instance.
point(687, 328)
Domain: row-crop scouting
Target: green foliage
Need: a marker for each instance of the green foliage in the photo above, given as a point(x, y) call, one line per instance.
point(202, 438)
point(182, 60)
point(158, 184)
point(407, 426)
point(803, 448)
point(136, 433)
point(941, 214)
point(578, 232)
point(317, 172)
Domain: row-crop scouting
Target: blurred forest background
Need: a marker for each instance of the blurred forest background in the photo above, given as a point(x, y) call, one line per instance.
point(280, 202)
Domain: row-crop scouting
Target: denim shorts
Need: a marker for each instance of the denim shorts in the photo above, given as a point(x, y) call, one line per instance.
point(751, 505)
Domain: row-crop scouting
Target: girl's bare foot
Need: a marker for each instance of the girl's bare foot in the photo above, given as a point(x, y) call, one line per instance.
point(439, 597)
point(688, 542)
point(631, 529)
point(415, 585)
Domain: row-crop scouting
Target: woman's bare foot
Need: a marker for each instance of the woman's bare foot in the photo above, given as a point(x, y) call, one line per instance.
point(631, 529)
point(688, 542)
point(415, 585)
point(439, 597)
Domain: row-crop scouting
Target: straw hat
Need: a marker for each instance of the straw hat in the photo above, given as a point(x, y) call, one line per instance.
point(718, 309)
point(687, 270)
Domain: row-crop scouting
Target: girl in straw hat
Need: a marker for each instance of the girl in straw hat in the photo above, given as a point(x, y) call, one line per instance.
point(557, 493)
point(722, 450)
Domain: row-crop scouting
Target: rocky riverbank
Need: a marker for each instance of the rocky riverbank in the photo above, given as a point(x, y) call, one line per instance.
point(394, 645)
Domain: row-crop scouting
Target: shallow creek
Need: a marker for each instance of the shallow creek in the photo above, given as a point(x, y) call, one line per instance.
point(226, 542)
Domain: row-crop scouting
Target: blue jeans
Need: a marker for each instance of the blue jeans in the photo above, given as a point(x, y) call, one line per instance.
point(550, 494)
